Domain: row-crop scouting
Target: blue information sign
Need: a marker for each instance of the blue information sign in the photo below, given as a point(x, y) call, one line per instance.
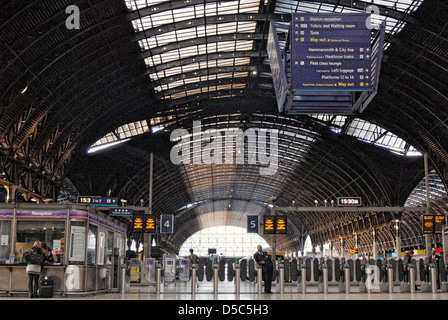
point(121, 212)
point(330, 52)
point(252, 224)
point(277, 66)
point(166, 223)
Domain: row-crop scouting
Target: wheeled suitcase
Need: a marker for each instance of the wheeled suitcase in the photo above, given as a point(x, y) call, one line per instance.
point(46, 287)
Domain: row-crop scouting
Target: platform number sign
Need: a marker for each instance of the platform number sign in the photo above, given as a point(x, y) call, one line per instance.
point(166, 223)
point(252, 224)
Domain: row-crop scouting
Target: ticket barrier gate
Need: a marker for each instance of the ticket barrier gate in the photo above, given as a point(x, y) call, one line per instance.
point(443, 269)
point(320, 271)
point(305, 274)
point(343, 270)
point(407, 275)
point(387, 276)
point(338, 272)
point(148, 271)
point(281, 277)
point(428, 276)
point(363, 272)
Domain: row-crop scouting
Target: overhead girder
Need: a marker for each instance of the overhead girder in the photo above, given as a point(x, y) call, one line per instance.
point(251, 183)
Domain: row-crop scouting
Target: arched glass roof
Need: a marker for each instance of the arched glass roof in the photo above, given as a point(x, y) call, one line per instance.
point(195, 47)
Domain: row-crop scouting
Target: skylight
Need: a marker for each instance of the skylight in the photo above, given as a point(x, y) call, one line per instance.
point(369, 133)
point(177, 45)
point(126, 132)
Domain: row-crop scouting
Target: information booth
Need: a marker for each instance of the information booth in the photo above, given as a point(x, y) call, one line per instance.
point(85, 247)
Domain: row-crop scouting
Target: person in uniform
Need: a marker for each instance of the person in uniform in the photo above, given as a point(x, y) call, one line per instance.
point(263, 259)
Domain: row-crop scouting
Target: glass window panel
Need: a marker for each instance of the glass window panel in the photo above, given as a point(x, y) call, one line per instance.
point(48, 232)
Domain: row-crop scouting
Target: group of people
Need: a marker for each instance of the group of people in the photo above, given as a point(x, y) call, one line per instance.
point(35, 259)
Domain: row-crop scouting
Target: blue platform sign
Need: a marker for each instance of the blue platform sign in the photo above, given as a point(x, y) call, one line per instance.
point(121, 212)
point(330, 52)
point(166, 223)
point(252, 224)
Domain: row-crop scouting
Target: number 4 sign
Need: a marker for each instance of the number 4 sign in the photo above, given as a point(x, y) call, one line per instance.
point(166, 223)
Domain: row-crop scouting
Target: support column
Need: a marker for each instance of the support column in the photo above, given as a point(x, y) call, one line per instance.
point(147, 239)
point(341, 253)
point(375, 250)
point(397, 239)
point(428, 237)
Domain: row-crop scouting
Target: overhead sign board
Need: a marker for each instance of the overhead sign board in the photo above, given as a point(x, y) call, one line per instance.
point(98, 201)
point(330, 52)
point(252, 224)
point(269, 225)
point(277, 64)
point(137, 223)
point(121, 212)
point(150, 224)
point(433, 224)
point(275, 225)
point(280, 224)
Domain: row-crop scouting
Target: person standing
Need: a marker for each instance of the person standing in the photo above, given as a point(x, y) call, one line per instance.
point(35, 260)
point(263, 259)
point(194, 259)
point(434, 259)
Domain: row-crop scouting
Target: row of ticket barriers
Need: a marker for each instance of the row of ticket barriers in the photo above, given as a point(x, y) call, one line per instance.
point(369, 275)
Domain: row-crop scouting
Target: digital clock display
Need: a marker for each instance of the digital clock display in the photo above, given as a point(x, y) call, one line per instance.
point(349, 201)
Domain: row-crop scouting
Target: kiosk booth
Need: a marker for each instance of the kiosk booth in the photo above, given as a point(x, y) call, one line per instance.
point(86, 247)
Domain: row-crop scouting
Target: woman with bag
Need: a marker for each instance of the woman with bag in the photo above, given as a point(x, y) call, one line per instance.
point(35, 260)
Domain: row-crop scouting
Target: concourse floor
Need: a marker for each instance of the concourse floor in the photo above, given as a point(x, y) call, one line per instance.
point(226, 291)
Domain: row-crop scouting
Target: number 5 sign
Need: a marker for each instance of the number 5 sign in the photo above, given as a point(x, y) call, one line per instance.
point(166, 223)
point(252, 224)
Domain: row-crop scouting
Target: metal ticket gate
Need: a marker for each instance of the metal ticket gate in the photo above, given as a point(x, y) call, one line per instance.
point(443, 270)
point(407, 275)
point(343, 275)
point(183, 270)
point(320, 272)
point(148, 271)
point(371, 275)
point(169, 270)
point(428, 276)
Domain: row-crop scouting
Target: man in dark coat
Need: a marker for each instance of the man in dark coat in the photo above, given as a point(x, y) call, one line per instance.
point(263, 259)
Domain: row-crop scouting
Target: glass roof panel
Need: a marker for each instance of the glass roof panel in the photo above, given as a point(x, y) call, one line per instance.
point(169, 48)
point(372, 133)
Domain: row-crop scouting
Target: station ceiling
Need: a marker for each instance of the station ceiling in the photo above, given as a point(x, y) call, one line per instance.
point(142, 69)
